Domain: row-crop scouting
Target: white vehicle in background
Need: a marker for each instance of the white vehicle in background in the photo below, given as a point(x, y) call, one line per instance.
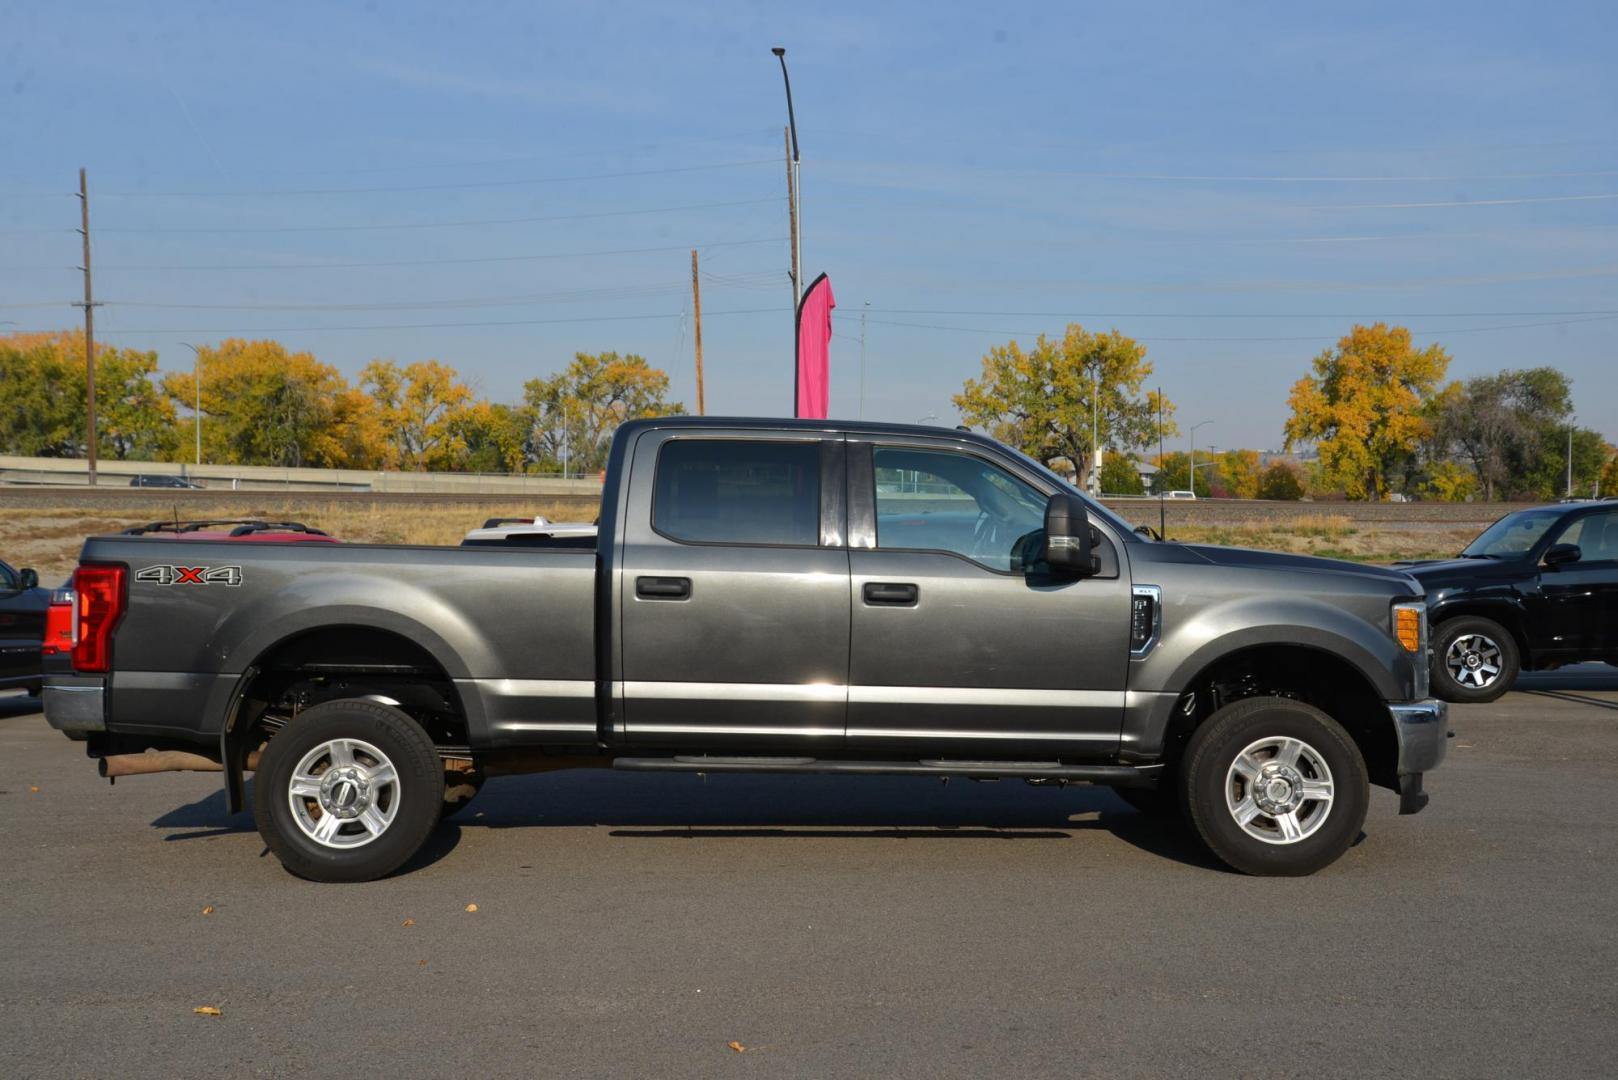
point(1179, 495)
point(531, 532)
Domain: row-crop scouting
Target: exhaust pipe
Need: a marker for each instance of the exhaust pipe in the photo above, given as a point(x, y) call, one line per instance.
point(161, 761)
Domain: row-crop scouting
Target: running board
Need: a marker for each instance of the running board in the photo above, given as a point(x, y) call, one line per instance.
point(1115, 775)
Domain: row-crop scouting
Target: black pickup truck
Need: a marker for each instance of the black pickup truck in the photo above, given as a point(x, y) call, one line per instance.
point(768, 597)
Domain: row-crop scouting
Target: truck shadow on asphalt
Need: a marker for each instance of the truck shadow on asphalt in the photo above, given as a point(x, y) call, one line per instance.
point(1574, 684)
point(18, 705)
point(672, 808)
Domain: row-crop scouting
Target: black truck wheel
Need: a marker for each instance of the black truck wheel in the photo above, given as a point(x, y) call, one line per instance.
point(1474, 660)
point(348, 791)
point(1274, 787)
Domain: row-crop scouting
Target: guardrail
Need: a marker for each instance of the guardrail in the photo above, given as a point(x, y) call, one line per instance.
point(74, 473)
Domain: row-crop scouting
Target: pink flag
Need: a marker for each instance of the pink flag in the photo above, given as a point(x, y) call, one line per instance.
point(814, 350)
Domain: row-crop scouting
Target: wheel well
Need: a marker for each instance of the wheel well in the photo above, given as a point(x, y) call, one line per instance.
point(1508, 617)
point(344, 662)
point(1318, 678)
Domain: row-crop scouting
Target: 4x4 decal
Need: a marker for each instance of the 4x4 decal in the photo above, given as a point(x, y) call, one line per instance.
point(191, 575)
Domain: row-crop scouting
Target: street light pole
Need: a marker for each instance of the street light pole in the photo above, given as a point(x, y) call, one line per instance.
point(196, 379)
point(1192, 471)
point(797, 183)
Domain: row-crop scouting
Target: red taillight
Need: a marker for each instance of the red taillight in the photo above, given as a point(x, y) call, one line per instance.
point(59, 623)
point(100, 591)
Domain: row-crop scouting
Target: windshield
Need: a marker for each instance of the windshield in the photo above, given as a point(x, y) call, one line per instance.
point(1513, 534)
point(1125, 528)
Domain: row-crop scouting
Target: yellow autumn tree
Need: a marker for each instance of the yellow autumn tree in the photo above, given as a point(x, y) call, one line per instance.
point(264, 405)
point(1239, 470)
point(1363, 405)
point(421, 405)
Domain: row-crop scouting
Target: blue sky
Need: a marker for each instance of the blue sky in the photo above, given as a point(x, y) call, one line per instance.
point(1233, 184)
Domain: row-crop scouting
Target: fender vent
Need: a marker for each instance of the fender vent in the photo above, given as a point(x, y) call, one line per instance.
point(1145, 618)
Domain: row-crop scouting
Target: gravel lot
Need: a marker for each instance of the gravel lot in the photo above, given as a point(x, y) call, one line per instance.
point(635, 925)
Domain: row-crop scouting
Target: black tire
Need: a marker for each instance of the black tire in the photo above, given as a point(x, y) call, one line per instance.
point(1469, 630)
point(413, 800)
point(1208, 770)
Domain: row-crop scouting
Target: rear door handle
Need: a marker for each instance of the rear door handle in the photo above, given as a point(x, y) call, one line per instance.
point(663, 588)
point(897, 594)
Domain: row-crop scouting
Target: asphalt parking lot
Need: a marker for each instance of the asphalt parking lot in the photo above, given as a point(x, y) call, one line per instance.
point(636, 925)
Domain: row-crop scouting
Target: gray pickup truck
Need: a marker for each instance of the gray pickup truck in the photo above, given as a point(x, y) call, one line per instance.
point(764, 596)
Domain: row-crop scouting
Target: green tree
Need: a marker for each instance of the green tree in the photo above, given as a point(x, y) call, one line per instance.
point(1044, 400)
point(494, 438)
point(1280, 480)
point(43, 400)
point(1173, 471)
point(1363, 405)
point(1120, 475)
point(419, 404)
point(576, 411)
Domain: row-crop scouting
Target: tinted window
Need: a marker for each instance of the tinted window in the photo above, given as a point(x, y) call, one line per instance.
point(737, 491)
point(1513, 534)
point(1596, 535)
point(940, 501)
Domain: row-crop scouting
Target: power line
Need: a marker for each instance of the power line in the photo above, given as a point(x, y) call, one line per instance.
point(434, 325)
point(519, 300)
point(1241, 314)
point(421, 262)
point(1287, 338)
point(483, 184)
point(434, 224)
point(1463, 202)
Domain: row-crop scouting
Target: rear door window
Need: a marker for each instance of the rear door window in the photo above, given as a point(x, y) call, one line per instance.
point(738, 491)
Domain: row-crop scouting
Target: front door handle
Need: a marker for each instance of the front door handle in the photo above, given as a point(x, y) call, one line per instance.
point(892, 593)
point(663, 588)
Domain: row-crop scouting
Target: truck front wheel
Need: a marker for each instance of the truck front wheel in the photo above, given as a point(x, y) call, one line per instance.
point(1473, 660)
point(348, 791)
point(1274, 787)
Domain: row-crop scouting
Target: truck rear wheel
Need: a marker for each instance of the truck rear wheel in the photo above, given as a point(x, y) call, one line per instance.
point(1274, 787)
point(348, 791)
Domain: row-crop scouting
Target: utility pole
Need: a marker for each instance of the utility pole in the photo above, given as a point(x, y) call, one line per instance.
point(1162, 513)
point(696, 311)
point(89, 330)
point(863, 312)
point(1095, 432)
point(794, 270)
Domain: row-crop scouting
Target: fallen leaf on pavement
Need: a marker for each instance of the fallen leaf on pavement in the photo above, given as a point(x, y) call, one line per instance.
point(207, 1010)
point(736, 1046)
point(471, 907)
point(410, 922)
point(34, 788)
point(208, 910)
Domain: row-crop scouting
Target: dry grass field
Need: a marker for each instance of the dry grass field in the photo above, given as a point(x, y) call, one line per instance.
point(38, 531)
point(44, 528)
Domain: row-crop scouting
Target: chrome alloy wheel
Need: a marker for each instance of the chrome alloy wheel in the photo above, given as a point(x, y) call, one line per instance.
point(1473, 660)
point(1279, 790)
point(344, 793)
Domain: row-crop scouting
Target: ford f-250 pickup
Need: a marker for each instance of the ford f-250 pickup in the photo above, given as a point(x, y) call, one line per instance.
point(769, 597)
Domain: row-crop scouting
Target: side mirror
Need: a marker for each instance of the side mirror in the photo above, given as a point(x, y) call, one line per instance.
point(27, 579)
point(1069, 537)
point(1558, 555)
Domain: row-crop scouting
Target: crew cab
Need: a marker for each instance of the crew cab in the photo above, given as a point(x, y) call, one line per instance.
point(766, 596)
point(1536, 590)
